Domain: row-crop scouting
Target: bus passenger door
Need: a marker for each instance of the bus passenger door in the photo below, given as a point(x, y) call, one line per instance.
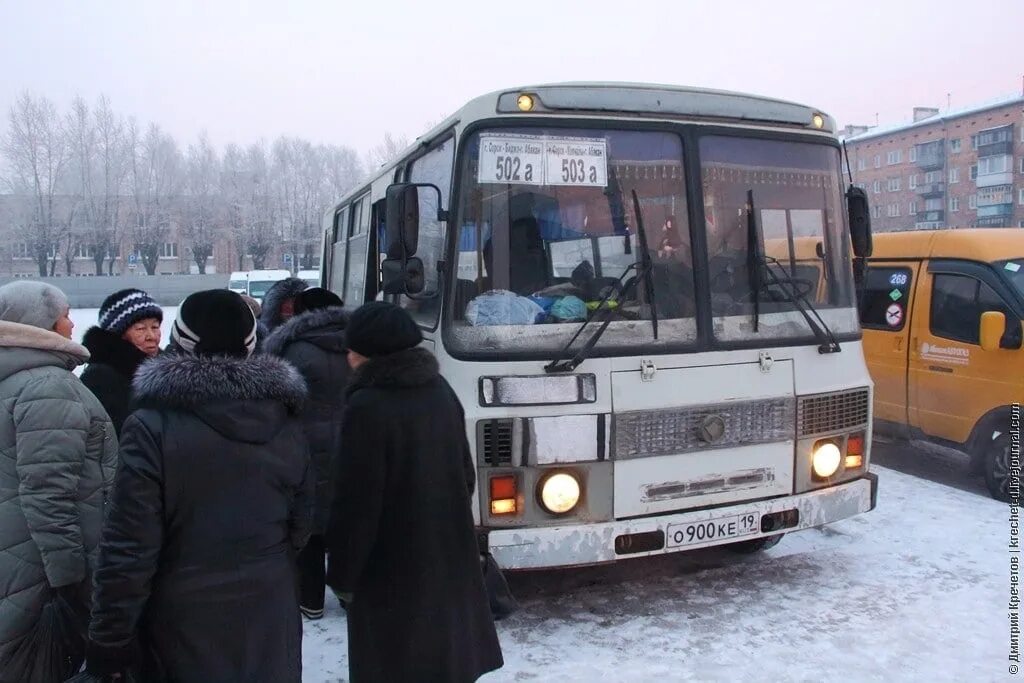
point(338, 248)
point(886, 303)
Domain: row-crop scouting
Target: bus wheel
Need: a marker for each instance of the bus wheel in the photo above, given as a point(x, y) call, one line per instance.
point(997, 467)
point(756, 545)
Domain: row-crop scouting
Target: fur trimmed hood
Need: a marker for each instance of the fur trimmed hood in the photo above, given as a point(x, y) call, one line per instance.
point(19, 336)
point(327, 320)
point(270, 313)
point(181, 381)
point(108, 348)
point(409, 368)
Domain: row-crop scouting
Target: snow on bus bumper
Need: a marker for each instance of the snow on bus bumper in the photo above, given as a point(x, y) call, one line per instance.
point(561, 546)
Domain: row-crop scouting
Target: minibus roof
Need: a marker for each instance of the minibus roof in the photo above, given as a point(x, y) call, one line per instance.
point(975, 244)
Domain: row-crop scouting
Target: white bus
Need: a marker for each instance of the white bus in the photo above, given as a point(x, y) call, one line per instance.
point(607, 275)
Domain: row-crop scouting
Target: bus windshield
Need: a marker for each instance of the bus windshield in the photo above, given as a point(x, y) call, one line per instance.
point(547, 231)
point(1013, 270)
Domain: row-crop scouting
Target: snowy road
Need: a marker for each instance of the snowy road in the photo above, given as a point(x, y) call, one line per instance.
point(915, 590)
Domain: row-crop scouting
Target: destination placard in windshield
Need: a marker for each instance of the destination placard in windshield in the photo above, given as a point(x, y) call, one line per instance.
point(543, 160)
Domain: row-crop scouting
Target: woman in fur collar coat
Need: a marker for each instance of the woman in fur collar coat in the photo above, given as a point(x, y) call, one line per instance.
point(314, 342)
point(401, 544)
point(127, 334)
point(211, 501)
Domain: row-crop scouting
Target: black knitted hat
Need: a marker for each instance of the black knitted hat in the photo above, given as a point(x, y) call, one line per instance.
point(123, 309)
point(316, 297)
point(380, 328)
point(215, 322)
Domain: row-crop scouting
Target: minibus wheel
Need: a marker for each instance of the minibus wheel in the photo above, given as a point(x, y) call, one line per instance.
point(756, 545)
point(997, 467)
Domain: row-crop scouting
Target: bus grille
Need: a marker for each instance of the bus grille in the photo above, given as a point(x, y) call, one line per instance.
point(828, 413)
point(494, 438)
point(667, 432)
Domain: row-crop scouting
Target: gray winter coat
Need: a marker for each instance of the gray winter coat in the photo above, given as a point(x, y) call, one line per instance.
point(57, 458)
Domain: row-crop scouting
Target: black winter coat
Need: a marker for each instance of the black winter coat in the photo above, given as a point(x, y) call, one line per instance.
point(112, 365)
point(401, 539)
point(314, 342)
point(196, 577)
point(270, 309)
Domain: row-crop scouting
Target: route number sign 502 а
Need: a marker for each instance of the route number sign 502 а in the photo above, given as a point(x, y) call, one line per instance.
point(543, 160)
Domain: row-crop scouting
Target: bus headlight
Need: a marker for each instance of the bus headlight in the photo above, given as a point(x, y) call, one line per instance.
point(825, 459)
point(559, 493)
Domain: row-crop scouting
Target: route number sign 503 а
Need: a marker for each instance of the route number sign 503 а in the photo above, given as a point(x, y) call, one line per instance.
point(543, 160)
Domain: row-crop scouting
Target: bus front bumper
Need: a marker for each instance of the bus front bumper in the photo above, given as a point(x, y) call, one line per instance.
point(580, 544)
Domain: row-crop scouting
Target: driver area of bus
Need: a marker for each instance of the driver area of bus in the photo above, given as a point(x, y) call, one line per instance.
point(559, 263)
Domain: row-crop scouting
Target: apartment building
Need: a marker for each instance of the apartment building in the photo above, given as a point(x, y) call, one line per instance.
point(957, 169)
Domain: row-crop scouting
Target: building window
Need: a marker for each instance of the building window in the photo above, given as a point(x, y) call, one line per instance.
point(974, 142)
point(1020, 196)
point(912, 181)
point(893, 210)
point(894, 157)
point(954, 204)
point(996, 164)
point(974, 171)
point(168, 250)
point(876, 303)
point(912, 154)
point(1022, 158)
point(954, 145)
point(933, 204)
point(990, 137)
point(877, 211)
point(954, 175)
point(957, 304)
point(912, 208)
point(878, 161)
point(876, 186)
point(894, 185)
point(932, 177)
point(861, 164)
point(972, 202)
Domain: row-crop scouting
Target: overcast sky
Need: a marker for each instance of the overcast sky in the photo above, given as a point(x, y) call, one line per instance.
point(345, 72)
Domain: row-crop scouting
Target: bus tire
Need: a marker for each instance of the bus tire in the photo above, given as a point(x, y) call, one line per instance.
point(755, 545)
point(997, 467)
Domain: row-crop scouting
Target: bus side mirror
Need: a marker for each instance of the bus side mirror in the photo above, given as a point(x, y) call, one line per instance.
point(992, 327)
point(402, 276)
point(860, 221)
point(402, 220)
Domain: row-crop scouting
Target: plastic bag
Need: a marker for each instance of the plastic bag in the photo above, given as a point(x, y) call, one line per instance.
point(569, 309)
point(503, 603)
point(501, 307)
point(52, 651)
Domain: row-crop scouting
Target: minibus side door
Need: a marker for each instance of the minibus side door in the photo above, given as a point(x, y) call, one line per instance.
point(954, 382)
point(886, 304)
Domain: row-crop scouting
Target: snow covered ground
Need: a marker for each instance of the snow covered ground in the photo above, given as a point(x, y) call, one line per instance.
point(915, 590)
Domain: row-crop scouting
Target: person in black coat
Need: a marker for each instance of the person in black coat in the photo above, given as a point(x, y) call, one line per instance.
point(279, 303)
point(196, 577)
point(127, 333)
point(314, 342)
point(401, 545)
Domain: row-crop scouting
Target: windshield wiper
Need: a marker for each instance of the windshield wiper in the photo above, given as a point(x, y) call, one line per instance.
point(644, 271)
point(762, 266)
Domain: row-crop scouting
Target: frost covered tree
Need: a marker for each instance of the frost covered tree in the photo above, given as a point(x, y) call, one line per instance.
point(156, 179)
point(201, 202)
point(36, 150)
point(387, 150)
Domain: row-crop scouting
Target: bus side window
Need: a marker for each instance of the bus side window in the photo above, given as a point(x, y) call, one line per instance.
point(339, 247)
point(885, 287)
point(358, 248)
point(434, 167)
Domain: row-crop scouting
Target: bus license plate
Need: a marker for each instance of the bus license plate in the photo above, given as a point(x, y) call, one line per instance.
point(713, 529)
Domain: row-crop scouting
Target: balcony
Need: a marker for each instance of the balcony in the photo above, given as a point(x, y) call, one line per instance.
point(996, 149)
point(931, 155)
point(931, 189)
point(992, 222)
point(930, 216)
point(994, 210)
point(993, 179)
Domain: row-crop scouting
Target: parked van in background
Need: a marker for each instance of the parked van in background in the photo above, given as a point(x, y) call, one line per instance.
point(311, 277)
point(260, 281)
point(239, 282)
point(941, 312)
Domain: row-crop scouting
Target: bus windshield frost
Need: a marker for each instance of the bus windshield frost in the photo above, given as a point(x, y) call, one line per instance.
point(643, 297)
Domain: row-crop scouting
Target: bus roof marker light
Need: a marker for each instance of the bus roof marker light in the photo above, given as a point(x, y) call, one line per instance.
point(525, 102)
point(818, 121)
